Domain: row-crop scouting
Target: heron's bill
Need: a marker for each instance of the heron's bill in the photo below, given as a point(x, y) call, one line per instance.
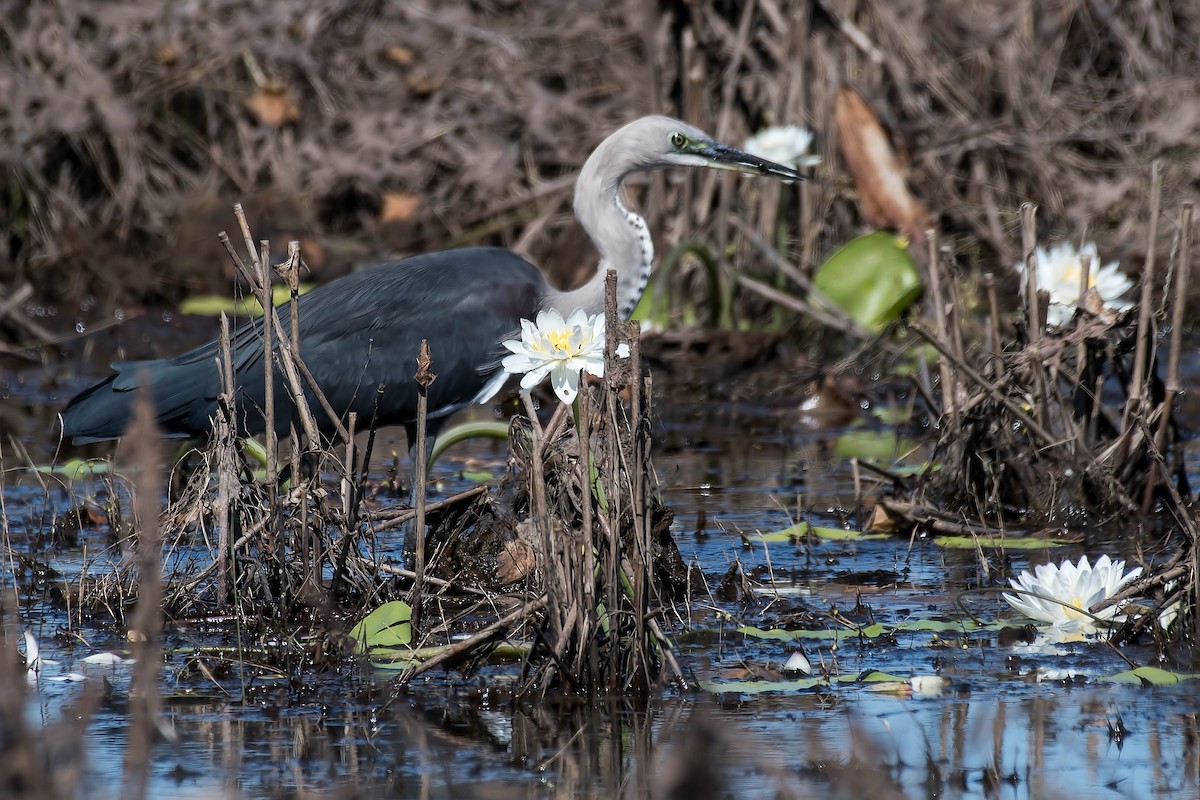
point(722, 156)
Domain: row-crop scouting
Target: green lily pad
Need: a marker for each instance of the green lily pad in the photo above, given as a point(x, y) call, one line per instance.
point(390, 625)
point(997, 542)
point(804, 529)
point(875, 445)
point(1150, 676)
point(875, 676)
point(74, 469)
point(871, 676)
point(869, 632)
point(872, 278)
point(758, 687)
point(212, 305)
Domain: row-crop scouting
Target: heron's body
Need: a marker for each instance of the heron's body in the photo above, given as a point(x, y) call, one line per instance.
point(363, 331)
point(356, 333)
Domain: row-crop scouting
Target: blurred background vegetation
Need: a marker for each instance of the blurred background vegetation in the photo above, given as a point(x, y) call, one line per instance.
point(372, 129)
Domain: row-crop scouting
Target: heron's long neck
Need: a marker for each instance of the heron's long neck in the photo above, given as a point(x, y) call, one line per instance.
point(620, 235)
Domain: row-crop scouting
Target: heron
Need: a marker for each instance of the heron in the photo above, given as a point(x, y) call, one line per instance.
point(363, 330)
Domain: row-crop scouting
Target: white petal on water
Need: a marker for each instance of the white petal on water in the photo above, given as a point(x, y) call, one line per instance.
point(798, 662)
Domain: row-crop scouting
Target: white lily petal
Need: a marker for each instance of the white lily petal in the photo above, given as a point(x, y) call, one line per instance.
point(1077, 587)
point(783, 144)
point(1059, 271)
point(565, 383)
point(106, 659)
point(32, 651)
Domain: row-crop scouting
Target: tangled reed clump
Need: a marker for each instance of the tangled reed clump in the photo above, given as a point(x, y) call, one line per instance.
point(1035, 434)
point(573, 543)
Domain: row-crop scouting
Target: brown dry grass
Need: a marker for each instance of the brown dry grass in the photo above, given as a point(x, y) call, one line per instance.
point(409, 126)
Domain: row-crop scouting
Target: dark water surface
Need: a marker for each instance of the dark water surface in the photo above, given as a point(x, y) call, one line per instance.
point(1014, 720)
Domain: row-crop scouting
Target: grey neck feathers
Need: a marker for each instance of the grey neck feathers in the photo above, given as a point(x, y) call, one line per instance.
point(620, 235)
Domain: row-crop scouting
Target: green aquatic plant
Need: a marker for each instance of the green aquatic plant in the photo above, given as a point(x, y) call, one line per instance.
point(213, 305)
point(388, 626)
point(872, 278)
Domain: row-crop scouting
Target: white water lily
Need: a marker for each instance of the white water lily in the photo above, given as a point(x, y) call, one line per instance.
point(927, 685)
point(1059, 272)
point(1167, 617)
point(783, 144)
point(33, 658)
point(1076, 587)
point(559, 348)
point(798, 662)
point(107, 660)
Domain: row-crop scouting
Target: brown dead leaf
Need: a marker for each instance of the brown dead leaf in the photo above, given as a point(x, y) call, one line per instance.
point(422, 82)
point(878, 174)
point(881, 521)
point(168, 54)
point(515, 561)
point(400, 54)
point(94, 516)
point(398, 207)
point(273, 105)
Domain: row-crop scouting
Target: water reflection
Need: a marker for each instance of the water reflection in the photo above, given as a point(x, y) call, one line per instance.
point(801, 746)
point(722, 469)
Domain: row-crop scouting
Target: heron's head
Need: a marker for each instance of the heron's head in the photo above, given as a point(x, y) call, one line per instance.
point(658, 142)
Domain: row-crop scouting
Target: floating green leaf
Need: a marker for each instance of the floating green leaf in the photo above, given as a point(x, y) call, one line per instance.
point(804, 529)
point(1150, 676)
point(872, 278)
point(74, 469)
point(997, 542)
point(213, 305)
point(758, 687)
point(390, 625)
point(869, 632)
point(873, 444)
point(871, 676)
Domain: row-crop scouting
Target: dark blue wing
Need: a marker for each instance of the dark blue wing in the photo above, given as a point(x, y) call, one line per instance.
point(356, 333)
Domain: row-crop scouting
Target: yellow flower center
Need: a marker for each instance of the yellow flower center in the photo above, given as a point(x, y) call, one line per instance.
point(1074, 272)
point(559, 340)
point(1075, 609)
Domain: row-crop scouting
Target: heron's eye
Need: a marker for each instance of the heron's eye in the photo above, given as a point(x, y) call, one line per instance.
point(678, 140)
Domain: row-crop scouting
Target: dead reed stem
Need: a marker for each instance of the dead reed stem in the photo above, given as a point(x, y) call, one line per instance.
point(424, 377)
point(225, 427)
point(949, 388)
point(288, 357)
point(146, 628)
point(493, 631)
point(263, 292)
point(1033, 305)
point(1145, 306)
